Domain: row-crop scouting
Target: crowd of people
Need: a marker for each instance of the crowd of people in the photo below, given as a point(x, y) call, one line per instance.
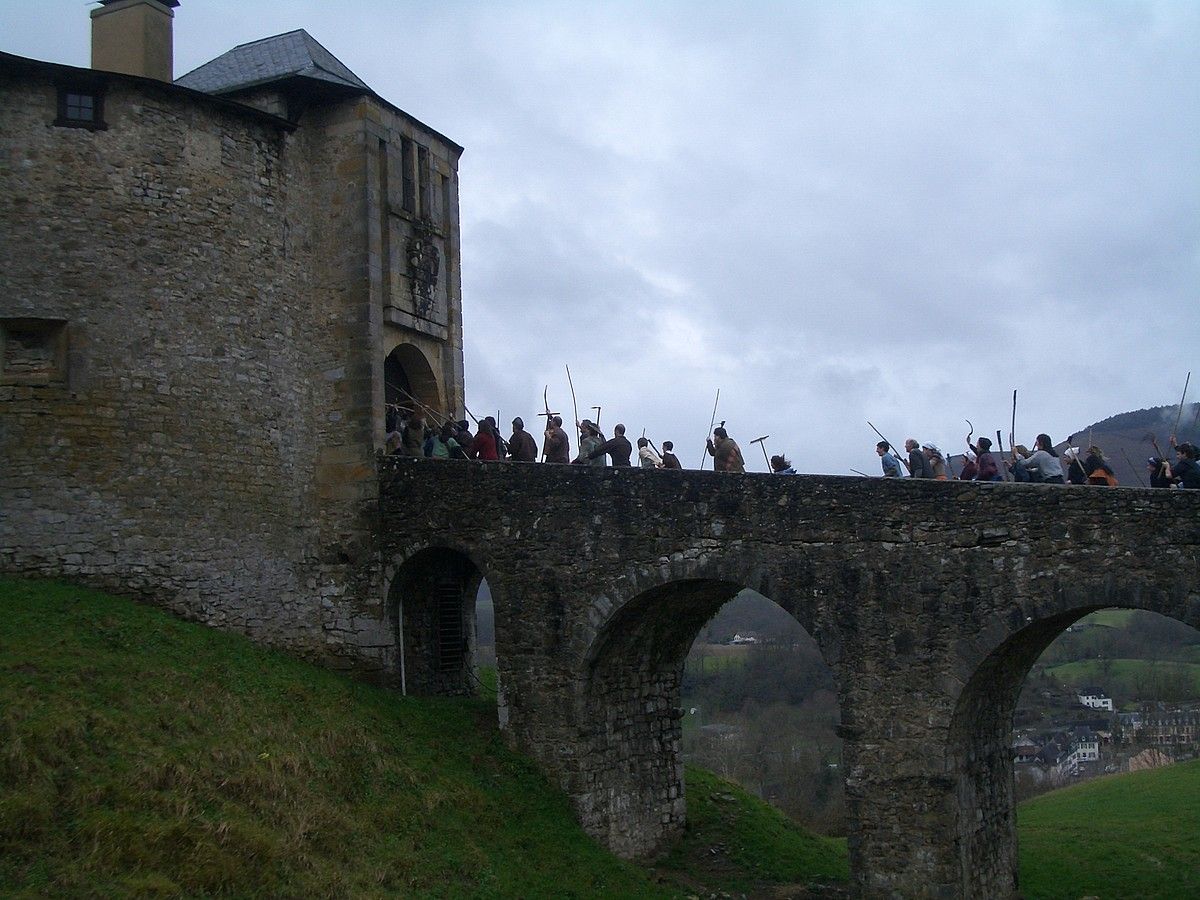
point(410, 434)
point(1041, 465)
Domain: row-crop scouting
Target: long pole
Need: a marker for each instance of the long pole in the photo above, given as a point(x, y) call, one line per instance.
point(400, 619)
point(1003, 461)
point(1175, 430)
point(1136, 474)
point(1012, 433)
point(430, 411)
point(574, 405)
point(711, 423)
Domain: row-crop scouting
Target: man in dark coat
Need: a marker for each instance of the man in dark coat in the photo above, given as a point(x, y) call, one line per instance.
point(521, 446)
point(918, 465)
point(670, 460)
point(618, 449)
point(556, 447)
point(726, 454)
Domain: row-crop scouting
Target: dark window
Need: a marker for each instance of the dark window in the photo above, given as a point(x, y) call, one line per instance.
point(408, 164)
point(80, 108)
point(424, 173)
point(33, 351)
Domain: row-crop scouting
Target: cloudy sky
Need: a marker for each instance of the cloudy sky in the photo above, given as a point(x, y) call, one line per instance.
point(832, 212)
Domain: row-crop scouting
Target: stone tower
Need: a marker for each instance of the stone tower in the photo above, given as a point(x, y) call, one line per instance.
point(212, 289)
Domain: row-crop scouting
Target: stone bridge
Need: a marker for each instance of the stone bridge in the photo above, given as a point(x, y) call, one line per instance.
point(929, 601)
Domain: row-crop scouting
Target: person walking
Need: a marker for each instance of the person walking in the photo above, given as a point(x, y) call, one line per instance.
point(589, 440)
point(985, 463)
point(618, 448)
point(726, 454)
point(484, 446)
point(781, 466)
point(918, 465)
point(556, 447)
point(1097, 468)
point(647, 458)
point(669, 459)
point(1043, 462)
point(521, 446)
point(935, 461)
point(887, 459)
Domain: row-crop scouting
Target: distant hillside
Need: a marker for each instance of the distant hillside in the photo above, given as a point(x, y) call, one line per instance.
point(1126, 437)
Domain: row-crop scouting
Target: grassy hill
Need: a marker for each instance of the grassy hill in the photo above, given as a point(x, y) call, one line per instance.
point(145, 756)
point(1131, 679)
point(1123, 836)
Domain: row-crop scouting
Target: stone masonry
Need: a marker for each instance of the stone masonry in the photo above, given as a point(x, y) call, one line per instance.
point(929, 600)
point(199, 293)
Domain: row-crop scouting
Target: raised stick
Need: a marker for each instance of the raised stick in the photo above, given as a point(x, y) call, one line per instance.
point(1175, 430)
point(711, 423)
point(863, 474)
point(1000, 450)
point(574, 405)
point(1012, 434)
point(1136, 474)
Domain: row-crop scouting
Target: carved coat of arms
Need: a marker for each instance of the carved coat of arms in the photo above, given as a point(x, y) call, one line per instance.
point(424, 263)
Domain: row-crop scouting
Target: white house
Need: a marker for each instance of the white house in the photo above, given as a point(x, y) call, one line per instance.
point(1095, 698)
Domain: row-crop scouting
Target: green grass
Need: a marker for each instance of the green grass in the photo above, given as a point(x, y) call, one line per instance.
point(1122, 677)
point(1123, 836)
point(1113, 618)
point(735, 842)
point(145, 756)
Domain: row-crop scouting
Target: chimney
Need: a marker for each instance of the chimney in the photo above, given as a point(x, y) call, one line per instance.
point(134, 37)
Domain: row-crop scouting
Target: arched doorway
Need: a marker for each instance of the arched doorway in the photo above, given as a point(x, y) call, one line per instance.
point(432, 602)
point(409, 382)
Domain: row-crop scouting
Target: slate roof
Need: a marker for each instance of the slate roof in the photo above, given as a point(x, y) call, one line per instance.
point(295, 54)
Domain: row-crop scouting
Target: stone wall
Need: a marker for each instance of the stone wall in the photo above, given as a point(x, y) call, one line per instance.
point(929, 601)
point(175, 455)
point(194, 335)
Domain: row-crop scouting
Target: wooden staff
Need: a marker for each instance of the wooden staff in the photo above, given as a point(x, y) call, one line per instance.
point(1000, 450)
point(438, 417)
point(711, 423)
point(574, 405)
point(1175, 430)
point(1012, 432)
point(1136, 474)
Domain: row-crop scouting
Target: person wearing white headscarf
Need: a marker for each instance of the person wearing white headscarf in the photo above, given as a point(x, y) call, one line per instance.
point(937, 463)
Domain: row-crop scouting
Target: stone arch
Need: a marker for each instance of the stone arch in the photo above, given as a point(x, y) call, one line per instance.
point(409, 380)
point(978, 756)
point(630, 791)
point(430, 593)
